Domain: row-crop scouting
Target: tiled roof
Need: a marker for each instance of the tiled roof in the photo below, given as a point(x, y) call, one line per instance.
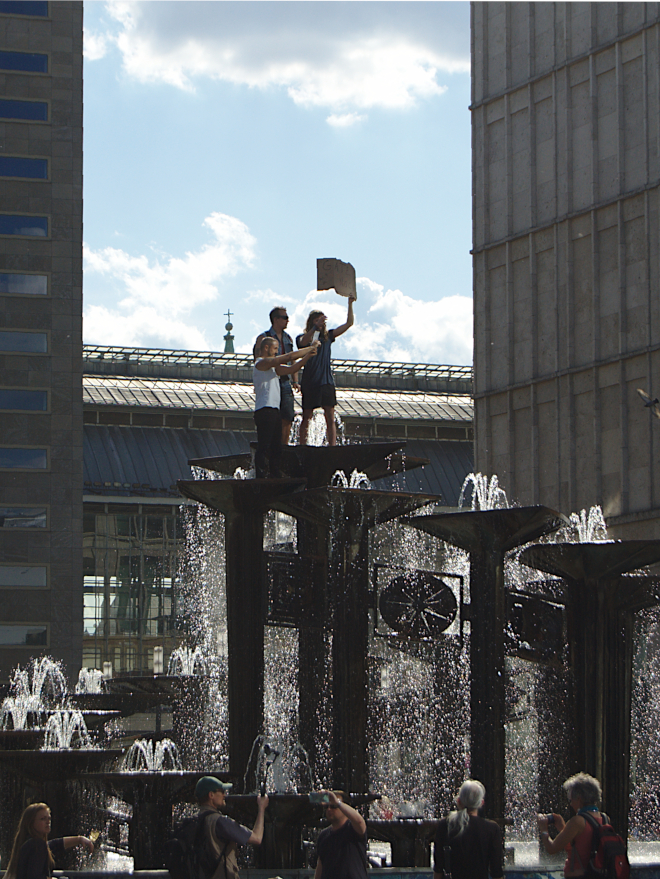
point(239, 398)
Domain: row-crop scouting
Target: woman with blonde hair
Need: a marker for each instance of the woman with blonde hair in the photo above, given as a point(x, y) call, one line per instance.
point(471, 844)
point(32, 851)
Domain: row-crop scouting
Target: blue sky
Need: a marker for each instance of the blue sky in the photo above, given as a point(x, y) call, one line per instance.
point(228, 145)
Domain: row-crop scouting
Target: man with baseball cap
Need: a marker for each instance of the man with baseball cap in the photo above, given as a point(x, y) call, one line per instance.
point(223, 834)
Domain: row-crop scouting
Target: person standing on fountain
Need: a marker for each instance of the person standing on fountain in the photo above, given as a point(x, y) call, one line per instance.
point(32, 851)
point(222, 834)
point(279, 320)
point(318, 384)
point(267, 416)
point(342, 847)
point(475, 843)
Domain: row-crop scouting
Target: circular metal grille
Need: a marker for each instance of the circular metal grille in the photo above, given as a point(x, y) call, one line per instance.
point(418, 605)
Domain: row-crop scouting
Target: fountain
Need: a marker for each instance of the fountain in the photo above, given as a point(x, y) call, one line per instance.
point(323, 586)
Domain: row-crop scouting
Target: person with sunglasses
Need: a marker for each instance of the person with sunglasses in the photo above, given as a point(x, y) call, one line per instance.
point(342, 847)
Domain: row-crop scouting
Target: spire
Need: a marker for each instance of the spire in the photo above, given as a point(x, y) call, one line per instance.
point(229, 339)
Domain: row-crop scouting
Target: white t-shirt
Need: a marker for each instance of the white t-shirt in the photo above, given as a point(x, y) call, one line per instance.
point(266, 387)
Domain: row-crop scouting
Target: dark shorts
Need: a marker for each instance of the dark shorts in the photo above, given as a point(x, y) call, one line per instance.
point(286, 401)
point(319, 395)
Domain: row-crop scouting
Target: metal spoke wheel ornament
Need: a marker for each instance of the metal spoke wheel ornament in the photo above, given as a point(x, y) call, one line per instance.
point(418, 605)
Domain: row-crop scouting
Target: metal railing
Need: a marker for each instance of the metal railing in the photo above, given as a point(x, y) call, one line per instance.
point(174, 357)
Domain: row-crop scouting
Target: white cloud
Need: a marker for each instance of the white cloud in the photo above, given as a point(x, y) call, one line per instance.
point(342, 56)
point(344, 120)
point(392, 326)
point(156, 296)
point(95, 46)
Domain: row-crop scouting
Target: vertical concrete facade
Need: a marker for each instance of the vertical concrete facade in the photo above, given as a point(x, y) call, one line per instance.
point(566, 196)
point(41, 301)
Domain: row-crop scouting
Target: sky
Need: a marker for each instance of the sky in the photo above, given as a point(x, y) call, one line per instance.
point(228, 145)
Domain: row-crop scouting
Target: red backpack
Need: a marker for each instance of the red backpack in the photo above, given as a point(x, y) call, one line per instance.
point(609, 858)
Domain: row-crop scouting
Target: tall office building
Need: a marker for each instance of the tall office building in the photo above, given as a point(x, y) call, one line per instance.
point(566, 168)
point(41, 467)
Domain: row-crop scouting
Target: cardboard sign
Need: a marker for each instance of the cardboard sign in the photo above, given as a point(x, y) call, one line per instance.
point(335, 274)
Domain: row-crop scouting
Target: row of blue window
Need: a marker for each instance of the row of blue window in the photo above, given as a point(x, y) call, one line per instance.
point(21, 400)
point(20, 342)
point(17, 166)
point(24, 7)
point(23, 459)
point(31, 111)
point(25, 62)
point(23, 517)
point(15, 284)
point(17, 224)
point(23, 635)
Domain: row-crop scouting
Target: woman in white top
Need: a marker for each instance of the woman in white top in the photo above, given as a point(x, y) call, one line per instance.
point(265, 375)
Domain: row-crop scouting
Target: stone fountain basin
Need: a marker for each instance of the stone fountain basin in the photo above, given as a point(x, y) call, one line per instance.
point(55, 765)
point(177, 786)
point(21, 739)
point(402, 828)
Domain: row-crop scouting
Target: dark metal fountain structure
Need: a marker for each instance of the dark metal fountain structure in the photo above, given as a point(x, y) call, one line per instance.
point(487, 535)
point(334, 524)
point(600, 603)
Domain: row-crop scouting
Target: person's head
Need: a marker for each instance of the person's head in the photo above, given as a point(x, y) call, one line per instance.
point(317, 321)
point(33, 824)
point(332, 813)
point(279, 317)
point(471, 795)
point(268, 347)
point(582, 790)
point(470, 798)
point(211, 791)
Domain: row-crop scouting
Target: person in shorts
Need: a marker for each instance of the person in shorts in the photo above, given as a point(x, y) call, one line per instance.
point(317, 383)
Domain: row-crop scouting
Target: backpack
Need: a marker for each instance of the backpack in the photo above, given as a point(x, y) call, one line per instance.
point(609, 859)
point(186, 854)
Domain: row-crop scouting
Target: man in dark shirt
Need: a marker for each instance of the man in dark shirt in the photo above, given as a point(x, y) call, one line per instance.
point(223, 834)
point(342, 847)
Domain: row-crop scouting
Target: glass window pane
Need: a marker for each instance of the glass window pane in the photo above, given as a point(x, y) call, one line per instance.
point(14, 224)
point(24, 576)
point(24, 401)
point(32, 343)
point(32, 285)
point(23, 517)
point(36, 111)
point(30, 61)
point(31, 635)
point(15, 166)
point(29, 459)
point(24, 7)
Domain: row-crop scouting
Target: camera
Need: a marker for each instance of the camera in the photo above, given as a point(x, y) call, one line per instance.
point(551, 820)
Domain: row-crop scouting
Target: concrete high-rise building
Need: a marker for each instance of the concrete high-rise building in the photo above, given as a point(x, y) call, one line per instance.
point(41, 462)
point(566, 197)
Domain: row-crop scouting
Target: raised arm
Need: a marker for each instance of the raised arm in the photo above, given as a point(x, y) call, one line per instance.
point(258, 830)
point(268, 362)
point(74, 841)
point(358, 822)
point(349, 319)
point(293, 369)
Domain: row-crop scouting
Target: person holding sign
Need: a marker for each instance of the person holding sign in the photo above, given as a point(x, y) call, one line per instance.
point(317, 383)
